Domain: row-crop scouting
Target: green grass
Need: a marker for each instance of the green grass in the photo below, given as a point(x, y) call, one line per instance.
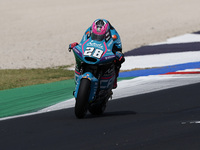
point(13, 78)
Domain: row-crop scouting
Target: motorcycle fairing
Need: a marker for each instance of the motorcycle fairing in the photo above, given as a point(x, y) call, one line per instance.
point(94, 53)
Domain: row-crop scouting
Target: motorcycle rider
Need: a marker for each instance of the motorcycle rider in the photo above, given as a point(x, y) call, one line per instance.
point(102, 29)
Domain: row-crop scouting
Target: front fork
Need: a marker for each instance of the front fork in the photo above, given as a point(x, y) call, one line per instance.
point(94, 84)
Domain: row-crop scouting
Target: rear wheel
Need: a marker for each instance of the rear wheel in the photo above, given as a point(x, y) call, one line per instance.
point(81, 104)
point(97, 109)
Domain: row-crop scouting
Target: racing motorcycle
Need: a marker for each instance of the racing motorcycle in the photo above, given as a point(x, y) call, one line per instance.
point(94, 76)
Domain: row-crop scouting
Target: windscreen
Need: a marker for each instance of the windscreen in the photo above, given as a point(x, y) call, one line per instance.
point(97, 37)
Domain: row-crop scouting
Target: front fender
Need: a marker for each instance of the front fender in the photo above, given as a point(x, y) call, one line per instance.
point(93, 88)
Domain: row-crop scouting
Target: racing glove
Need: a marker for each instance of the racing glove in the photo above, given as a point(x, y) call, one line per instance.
point(120, 57)
point(72, 45)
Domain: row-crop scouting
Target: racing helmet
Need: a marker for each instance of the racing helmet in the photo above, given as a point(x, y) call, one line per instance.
point(99, 29)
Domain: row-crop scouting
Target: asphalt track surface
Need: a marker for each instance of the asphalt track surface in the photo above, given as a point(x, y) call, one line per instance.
point(164, 48)
point(167, 119)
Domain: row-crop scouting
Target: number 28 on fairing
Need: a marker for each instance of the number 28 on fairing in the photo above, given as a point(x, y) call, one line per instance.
point(91, 51)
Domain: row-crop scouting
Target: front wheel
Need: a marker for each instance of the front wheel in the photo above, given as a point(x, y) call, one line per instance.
point(81, 104)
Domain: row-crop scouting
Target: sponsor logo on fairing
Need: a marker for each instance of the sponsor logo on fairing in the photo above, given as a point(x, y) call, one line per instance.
point(95, 45)
point(77, 51)
point(109, 57)
point(110, 43)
